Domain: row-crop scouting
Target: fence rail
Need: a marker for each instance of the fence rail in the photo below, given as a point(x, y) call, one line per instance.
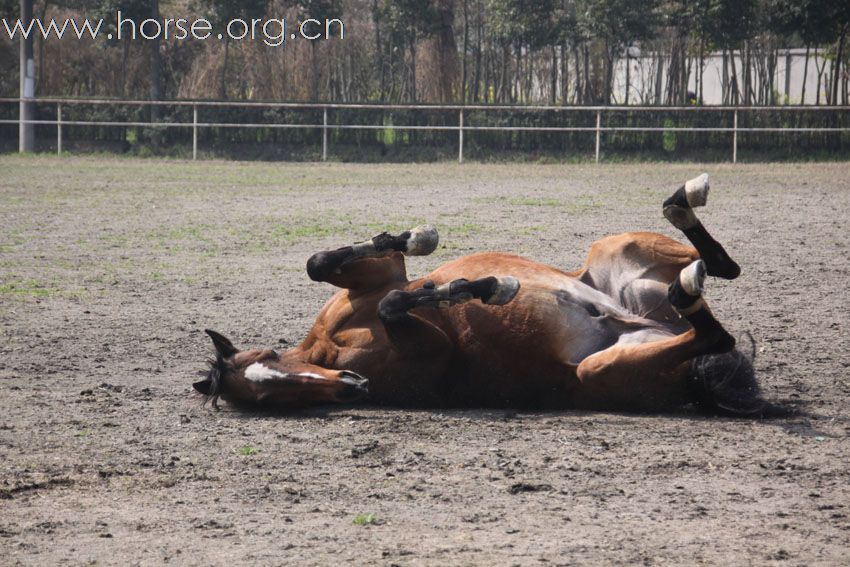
point(462, 126)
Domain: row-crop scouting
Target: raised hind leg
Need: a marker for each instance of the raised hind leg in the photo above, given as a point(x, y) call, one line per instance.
point(653, 375)
point(374, 262)
point(679, 210)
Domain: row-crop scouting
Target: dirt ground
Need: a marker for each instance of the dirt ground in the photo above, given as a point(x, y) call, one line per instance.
point(111, 268)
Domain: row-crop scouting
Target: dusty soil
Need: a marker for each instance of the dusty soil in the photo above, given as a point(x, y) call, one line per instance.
point(111, 268)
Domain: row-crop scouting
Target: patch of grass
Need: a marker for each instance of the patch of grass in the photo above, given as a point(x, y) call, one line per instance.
point(582, 205)
point(393, 227)
point(82, 433)
point(31, 288)
point(248, 450)
point(535, 202)
point(365, 520)
point(465, 229)
point(529, 230)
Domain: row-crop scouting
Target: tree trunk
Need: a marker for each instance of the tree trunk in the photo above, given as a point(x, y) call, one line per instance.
point(577, 97)
point(465, 48)
point(156, 66)
point(819, 69)
point(379, 52)
point(478, 35)
point(609, 75)
point(837, 64)
point(734, 90)
point(588, 88)
point(701, 91)
point(788, 63)
point(223, 83)
point(565, 75)
point(745, 73)
point(413, 70)
point(553, 85)
point(805, 76)
point(659, 78)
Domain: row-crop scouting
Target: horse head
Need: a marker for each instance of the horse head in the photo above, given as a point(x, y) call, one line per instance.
point(266, 377)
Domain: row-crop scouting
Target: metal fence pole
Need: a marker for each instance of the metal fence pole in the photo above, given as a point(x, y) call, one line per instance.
point(194, 132)
point(59, 129)
point(325, 135)
point(598, 132)
point(735, 138)
point(460, 138)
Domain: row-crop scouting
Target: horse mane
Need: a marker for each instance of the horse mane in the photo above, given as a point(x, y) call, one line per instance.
point(726, 383)
point(217, 366)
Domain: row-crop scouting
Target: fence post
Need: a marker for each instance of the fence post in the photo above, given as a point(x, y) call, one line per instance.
point(598, 132)
point(325, 135)
point(194, 132)
point(735, 137)
point(460, 138)
point(59, 129)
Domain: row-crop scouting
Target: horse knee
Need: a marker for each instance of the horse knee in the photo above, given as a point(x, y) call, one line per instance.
point(593, 367)
point(394, 305)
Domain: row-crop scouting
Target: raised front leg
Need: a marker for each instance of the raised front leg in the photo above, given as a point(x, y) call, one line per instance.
point(410, 333)
point(679, 210)
point(373, 263)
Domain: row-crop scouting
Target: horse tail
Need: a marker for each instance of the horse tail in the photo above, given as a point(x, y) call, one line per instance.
point(726, 384)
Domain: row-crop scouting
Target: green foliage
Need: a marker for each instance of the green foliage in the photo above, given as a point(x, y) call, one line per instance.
point(364, 519)
point(668, 140)
point(407, 20)
point(219, 12)
point(727, 23)
point(248, 450)
point(621, 22)
point(522, 22)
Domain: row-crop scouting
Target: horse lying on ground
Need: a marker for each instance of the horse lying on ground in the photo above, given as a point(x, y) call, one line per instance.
point(629, 331)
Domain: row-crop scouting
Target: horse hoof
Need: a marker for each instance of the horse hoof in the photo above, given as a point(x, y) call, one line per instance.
point(505, 290)
point(422, 241)
point(696, 191)
point(692, 278)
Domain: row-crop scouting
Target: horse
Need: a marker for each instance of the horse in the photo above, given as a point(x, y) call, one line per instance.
point(629, 331)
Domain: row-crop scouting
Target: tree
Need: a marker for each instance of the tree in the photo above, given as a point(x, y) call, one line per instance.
point(729, 23)
point(220, 13)
point(618, 24)
point(406, 22)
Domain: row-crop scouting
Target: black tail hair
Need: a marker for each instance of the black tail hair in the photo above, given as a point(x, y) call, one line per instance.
point(726, 384)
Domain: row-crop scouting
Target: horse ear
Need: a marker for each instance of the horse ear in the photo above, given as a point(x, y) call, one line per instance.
point(222, 345)
point(203, 386)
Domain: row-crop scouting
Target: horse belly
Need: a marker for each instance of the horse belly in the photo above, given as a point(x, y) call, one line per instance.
point(525, 353)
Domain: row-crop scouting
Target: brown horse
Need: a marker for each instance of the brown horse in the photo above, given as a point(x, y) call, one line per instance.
point(629, 331)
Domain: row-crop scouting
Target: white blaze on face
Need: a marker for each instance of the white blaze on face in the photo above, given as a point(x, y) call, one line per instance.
point(258, 372)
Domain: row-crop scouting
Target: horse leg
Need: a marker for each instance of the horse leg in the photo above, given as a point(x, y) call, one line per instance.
point(636, 269)
point(412, 333)
point(654, 375)
point(679, 210)
point(374, 262)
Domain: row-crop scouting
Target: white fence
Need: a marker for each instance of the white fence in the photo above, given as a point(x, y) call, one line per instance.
point(459, 110)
